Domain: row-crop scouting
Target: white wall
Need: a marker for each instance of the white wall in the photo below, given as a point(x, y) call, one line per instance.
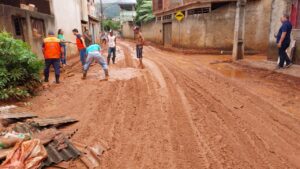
point(67, 15)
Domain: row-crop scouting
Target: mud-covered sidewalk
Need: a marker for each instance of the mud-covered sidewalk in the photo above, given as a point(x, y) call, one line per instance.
point(181, 111)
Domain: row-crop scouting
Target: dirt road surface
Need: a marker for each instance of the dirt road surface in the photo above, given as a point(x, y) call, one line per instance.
point(181, 112)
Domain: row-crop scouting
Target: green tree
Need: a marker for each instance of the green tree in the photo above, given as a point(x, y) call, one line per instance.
point(19, 68)
point(109, 24)
point(144, 11)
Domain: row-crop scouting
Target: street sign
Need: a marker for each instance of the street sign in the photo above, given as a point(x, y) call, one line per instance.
point(179, 16)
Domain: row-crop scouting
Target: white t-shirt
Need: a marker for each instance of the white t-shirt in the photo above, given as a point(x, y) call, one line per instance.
point(111, 41)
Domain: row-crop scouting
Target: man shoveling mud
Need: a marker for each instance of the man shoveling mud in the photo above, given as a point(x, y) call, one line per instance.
point(139, 46)
point(94, 53)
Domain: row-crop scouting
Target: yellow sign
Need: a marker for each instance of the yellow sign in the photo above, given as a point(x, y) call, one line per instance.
point(179, 16)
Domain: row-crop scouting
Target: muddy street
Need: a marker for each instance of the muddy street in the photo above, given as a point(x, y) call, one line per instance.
point(181, 112)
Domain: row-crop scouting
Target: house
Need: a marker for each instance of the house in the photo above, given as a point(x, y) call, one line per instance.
point(30, 20)
point(120, 10)
point(208, 24)
point(93, 20)
point(127, 13)
point(29, 23)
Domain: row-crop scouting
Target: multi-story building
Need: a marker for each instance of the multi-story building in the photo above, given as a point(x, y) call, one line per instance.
point(93, 20)
point(210, 23)
point(127, 13)
point(119, 10)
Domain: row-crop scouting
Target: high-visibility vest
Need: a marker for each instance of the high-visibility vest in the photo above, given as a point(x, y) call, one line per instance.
point(52, 48)
point(79, 43)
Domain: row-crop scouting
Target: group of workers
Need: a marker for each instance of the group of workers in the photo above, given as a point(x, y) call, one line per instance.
point(54, 50)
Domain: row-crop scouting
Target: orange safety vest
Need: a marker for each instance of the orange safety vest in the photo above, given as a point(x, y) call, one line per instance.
point(79, 43)
point(52, 48)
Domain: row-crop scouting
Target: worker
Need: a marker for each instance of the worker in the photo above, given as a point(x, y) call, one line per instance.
point(80, 46)
point(53, 52)
point(94, 52)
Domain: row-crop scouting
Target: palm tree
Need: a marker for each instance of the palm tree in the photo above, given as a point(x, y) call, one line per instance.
point(144, 11)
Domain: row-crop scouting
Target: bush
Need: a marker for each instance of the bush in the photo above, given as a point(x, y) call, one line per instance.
point(19, 68)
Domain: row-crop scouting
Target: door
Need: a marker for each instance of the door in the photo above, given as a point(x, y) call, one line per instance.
point(167, 34)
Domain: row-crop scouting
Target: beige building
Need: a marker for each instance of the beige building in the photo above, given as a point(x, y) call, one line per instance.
point(210, 24)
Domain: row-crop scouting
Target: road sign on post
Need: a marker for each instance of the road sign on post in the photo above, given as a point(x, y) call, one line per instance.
point(179, 16)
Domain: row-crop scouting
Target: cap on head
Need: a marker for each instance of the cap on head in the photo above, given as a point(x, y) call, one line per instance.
point(136, 28)
point(51, 33)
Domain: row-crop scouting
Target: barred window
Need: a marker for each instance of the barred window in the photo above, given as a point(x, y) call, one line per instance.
point(38, 27)
point(199, 11)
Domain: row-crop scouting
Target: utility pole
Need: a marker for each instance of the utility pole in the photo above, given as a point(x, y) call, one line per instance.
point(239, 31)
point(101, 8)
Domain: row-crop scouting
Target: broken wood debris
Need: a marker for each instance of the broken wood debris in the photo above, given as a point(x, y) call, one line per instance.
point(12, 112)
point(60, 150)
point(53, 121)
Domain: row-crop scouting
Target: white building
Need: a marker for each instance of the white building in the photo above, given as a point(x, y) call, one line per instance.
point(70, 14)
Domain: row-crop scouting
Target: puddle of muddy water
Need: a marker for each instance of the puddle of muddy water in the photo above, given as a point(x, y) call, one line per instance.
point(229, 71)
point(115, 74)
point(124, 73)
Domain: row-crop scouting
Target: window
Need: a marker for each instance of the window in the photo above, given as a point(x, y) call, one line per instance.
point(167, 17)
point(160, 4)
point(199, 11)
point(17, 22)
point(38, 28)
point(159, 18)
point(157, 5)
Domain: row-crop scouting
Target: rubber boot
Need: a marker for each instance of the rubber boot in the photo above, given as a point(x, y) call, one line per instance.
point(106, 74)
point(114, 59)
point(84, 74)
point(46, 79)
point(57, 79)
point(108, 60)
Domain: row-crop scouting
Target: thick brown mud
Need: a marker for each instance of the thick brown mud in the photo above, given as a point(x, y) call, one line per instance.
point(181, 111)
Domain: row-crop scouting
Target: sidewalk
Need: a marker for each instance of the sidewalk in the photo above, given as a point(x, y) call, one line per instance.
point(294, 70)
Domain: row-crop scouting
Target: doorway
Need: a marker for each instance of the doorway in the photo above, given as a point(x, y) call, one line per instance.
point(167, 34)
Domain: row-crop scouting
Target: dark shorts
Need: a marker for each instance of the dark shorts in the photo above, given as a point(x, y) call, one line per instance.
point(139, 51)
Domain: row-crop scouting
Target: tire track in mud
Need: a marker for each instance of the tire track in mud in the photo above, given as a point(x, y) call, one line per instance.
point(131, 145)
point(176, 114)
point(196, 86)
point(184, 140)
